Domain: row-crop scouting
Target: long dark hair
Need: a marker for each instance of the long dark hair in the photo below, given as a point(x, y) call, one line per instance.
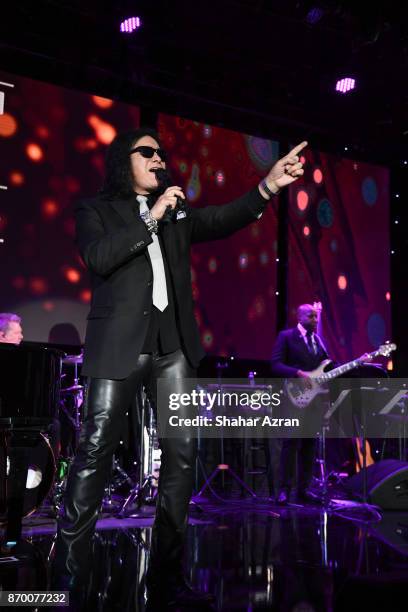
point(118, 181)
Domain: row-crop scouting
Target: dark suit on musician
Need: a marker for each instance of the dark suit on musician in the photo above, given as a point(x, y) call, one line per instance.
point(289, 355)
point(130, 343)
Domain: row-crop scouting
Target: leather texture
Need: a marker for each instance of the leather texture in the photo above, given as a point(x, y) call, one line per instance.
point(106, 404)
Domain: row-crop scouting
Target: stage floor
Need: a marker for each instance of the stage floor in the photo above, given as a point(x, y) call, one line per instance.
point(251, 554)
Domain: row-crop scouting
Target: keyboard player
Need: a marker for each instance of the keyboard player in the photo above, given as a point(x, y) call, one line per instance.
point(11, 331)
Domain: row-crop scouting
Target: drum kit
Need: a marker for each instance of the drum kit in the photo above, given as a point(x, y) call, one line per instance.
point(53, 452)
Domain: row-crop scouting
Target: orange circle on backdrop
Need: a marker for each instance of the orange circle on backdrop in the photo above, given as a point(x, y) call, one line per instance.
point(85, 295)
point(342, 282)
point(16, 178)
point(34, 152)
point(318, 176)
point(72, 275)
point(50, 208)
point(302, 200)
point(8, 125)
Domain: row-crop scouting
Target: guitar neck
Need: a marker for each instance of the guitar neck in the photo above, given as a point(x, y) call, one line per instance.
point(384, 350)
point(340, 370)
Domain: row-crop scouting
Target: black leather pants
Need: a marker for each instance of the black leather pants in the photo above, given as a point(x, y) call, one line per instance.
point(107, 402)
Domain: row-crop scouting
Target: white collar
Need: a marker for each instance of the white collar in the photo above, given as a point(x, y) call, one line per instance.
point(302, 330)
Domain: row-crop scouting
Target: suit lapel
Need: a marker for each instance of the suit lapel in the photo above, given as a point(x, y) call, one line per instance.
point(125, 209)
point(170, 232)
point(300, 342)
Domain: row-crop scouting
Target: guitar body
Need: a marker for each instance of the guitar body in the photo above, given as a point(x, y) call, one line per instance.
point(320, 370)
point(302, 391)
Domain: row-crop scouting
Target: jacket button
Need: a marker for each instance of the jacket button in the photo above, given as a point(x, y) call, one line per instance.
point(150, 283)
point(145, 312)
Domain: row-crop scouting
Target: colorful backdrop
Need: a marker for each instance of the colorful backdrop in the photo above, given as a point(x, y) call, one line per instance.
point(234, 280)
point(339, 251)
point(52, 145)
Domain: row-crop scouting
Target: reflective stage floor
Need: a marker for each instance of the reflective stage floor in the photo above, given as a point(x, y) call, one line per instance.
point(252, 555)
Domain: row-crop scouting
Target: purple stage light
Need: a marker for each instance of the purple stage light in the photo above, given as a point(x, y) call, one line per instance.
point(130, 25)
point(345, 85)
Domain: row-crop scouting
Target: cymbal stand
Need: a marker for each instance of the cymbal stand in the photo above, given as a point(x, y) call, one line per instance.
point(63, 464)
point(78, 401)
point(144, 490)
point(107, 502)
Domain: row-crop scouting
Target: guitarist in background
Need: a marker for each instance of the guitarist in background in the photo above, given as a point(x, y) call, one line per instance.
point(296, 352)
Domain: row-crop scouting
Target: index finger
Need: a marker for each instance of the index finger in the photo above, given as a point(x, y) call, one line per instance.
point(298, 148)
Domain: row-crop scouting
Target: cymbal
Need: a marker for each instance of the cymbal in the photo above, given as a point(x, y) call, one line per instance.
point(73, 388)
point(73, 359)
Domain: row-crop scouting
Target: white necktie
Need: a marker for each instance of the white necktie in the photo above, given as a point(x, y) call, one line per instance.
point(160, 299)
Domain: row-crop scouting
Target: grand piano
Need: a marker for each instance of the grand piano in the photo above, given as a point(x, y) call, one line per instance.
point(30, 376)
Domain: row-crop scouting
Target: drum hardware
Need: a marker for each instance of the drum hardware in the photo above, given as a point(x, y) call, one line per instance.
point(72, 414)
point(74, 388)
point(76, 393)
point(108, 503)
point(146, 489)
point(59, 486)
point(73, 359)
point(122, 475)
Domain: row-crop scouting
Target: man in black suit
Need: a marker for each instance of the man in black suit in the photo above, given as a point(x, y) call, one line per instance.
point(296, 352)
point(135, 238)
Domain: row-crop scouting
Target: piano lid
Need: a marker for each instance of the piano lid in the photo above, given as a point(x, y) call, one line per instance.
point(30, 378)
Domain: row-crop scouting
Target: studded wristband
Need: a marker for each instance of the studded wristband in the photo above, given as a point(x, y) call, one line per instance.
point(151, 222)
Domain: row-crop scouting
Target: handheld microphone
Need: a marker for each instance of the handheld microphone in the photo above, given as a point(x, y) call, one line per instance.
point(164, 180)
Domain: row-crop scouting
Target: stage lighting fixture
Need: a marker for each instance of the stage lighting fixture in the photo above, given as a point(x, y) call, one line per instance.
point(130, 24)
point(345, 85)
point(314, 15)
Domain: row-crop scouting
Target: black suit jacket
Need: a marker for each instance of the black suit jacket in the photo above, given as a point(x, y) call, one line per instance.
point(113, 243)
point(291, 354)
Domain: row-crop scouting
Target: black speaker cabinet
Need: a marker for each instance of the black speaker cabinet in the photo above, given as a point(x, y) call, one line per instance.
point(387, 484)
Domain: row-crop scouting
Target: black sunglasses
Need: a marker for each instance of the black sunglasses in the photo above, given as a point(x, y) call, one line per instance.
point(148, 152)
